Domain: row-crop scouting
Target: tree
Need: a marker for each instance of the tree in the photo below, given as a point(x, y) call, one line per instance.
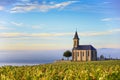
point(67, 54)
point(101, 57)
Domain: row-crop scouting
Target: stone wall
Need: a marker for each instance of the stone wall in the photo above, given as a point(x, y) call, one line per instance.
point(84, 55)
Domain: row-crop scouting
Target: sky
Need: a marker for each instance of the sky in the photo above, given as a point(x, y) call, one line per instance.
point(51, 24)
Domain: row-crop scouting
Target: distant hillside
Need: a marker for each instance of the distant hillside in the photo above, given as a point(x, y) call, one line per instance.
point(47, 56)
point(109, 52)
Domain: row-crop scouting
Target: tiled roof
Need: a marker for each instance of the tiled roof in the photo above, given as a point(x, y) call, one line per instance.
point(84, 47)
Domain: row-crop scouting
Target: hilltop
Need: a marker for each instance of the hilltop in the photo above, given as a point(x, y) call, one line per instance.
point(95, 70)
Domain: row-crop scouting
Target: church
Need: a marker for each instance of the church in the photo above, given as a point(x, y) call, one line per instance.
point(83, 52)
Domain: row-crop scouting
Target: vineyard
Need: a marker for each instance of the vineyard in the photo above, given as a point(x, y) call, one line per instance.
point(98, 70)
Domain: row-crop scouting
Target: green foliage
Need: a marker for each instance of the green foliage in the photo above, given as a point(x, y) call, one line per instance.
point(98, 70)
point(67, 54)
point(101, 57)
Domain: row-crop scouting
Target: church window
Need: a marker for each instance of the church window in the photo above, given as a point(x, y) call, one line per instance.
point(88, 53)
point(75, 42)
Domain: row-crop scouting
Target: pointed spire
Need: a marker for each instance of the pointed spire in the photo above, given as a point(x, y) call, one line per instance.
point(76, 35)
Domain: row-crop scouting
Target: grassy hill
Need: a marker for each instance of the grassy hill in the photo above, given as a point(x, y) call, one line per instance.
point(98, 70)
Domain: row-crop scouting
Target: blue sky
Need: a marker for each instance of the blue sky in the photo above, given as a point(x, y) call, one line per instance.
point(51, 24)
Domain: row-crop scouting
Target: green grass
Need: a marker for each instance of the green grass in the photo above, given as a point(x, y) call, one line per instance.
point(98, 70)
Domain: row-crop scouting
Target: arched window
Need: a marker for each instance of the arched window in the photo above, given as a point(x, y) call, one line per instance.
point(75, 43)
point(78, 53)
point(83, 53)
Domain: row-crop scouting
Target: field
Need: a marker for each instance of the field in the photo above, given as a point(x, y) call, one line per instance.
point(98, 70)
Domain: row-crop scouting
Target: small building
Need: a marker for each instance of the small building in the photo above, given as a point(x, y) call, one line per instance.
point(83, 52)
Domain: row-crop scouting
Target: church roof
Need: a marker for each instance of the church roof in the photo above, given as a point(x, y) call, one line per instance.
point(84, 47)
point(76, 36)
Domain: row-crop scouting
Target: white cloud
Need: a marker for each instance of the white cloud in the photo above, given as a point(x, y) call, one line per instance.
point(44, 8)
point(100, 33)
point(93, 33)
point(19, 35)
point(2, 22)
point(110, 19)
point(106, 19)
point(114, 30)
point(17, 24)
point(107, 2)
point(52, 2)
point(1, 8)
point(3, 28)
point(14, 35)
point(41, 7)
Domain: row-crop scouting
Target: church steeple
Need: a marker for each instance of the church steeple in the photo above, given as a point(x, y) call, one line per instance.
point(76, 40)
point(76, 35)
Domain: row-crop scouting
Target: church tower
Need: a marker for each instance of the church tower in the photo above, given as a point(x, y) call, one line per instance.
point(75, 40)
point(82, 52)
